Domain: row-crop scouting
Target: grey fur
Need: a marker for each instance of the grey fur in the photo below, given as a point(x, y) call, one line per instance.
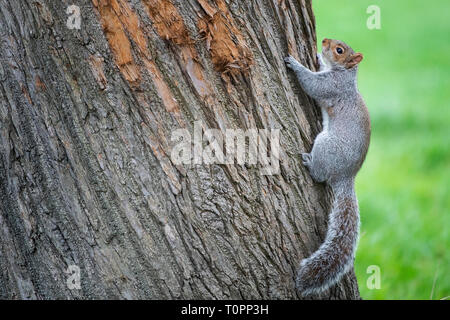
point(336, 157)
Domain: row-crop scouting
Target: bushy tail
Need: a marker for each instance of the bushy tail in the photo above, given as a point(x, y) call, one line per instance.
point(335, 256)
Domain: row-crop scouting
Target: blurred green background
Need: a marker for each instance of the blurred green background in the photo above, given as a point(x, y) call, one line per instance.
point(404, 185)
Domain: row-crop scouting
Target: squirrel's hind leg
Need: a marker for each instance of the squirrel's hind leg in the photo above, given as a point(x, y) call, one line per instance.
point(318, 161)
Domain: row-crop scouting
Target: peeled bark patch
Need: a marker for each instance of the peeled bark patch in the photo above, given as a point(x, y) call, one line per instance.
point(229, 52)
point(119, 22)
point(167, 21)
point(170, 26)
point(111, 13)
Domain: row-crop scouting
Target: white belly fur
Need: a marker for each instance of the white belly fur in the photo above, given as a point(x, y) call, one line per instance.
point(325, 119)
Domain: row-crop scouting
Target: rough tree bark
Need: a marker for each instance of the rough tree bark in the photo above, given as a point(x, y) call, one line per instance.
point(86, 118)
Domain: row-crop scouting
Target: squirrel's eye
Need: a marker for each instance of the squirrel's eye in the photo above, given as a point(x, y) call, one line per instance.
point(339, 50)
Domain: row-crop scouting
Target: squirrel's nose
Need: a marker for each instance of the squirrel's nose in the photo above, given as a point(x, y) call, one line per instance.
point(325, 41)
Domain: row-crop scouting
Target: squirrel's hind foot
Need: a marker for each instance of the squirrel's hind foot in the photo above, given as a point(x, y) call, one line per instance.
point(317, 175)
point(307, 160)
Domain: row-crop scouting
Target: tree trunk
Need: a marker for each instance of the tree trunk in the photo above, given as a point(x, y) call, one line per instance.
point(87, 178)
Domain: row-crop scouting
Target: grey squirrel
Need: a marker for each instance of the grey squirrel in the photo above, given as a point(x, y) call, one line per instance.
point(336, 157)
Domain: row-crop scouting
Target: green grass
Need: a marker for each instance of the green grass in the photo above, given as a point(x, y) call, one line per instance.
point(404, 185)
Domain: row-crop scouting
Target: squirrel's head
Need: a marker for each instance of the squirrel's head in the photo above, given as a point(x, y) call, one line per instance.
point(339, 55)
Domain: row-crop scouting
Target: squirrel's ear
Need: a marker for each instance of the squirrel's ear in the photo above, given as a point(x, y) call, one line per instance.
point(354, 60)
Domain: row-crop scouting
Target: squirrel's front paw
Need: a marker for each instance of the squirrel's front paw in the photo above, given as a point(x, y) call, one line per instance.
point(321, 61)
point(290, 62)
